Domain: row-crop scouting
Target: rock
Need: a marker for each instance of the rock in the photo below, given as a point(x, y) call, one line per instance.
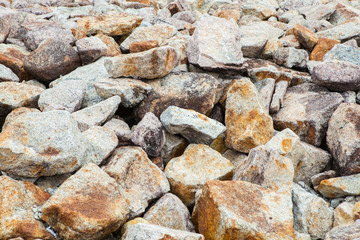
point(312, 214)
point(142, 46)
point(341, 52)
point(349, 96)
point(296, 4)
point(344, 232)
point(154, 63)
point(247, 123)
point(14, 95)
point(187, 16)
point(112, 23)
point(87, 205)
point(90, 49)
point(134, 221)
point(170, 212)
point(179, 42)
point(195, 127)
point(50, 60)
point(323, 46)
point(344, 214)
point(266, 89)
point(121, 129)
point(174, 147)
point(140, 180)
point(236, 158)
point(131, 91)
point(17, 199)
point(6, 74)
point(306, 111)
point(316, 179)
point(157, 32)
point(52, 183)
point(12, 56)
point(340, 186)
point(261, 11)
point(343, 13)
point(189, 172)
point(305, 36)
point(199, 92)
point(17, 112)
point(215, 51)
point(154, 232)
point(66, 96)
point(291, 57)
point(113, 49)
point(278, 97)
point(344, 31)
point(97, 114)
point(149, 135)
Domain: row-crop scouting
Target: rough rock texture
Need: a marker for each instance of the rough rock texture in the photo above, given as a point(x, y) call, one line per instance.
point(344, 214)
point(344, 31)
point(6, 74)
point(291, 57)
point(278, 96)
point(113, 49)
point(305, 36)
point(266, 89)
point(317, 178)
point(342, 52)
point(340, 186)
point(323, 46)
point(247, 123)
point(12, 56)
point(189, 172)
point(350, 232)
point(174, 147)
point(90, 49)
point(142, 46)
point(194, 126)
point(87, 205)
point(121, 129)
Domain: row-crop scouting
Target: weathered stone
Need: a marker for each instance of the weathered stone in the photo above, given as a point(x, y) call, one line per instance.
point(14, 95)
point(199, 92)
point(154, 63)
point(90, 49)
point(142, 46)
point(318, 12)
point(154, 232)
point(307, 110)
point(305, 36)
point(349, 96)
point(131, 91)
point(134, 221)
point(87, 205)
point(344, 214)
point(343, 137)
point(194, 126)
point(17, 199)
point(278, 97)
point(323, 46)
point(215, 44)
point(187, 16)
point(174, 147)
point(17, 112)
point(236, 158)
point(112, 23)
point(149, 135)
point(312, 214)
point(350, 232)
point(170, 212)
point(273, 44)
point(259, 10)
point(247, 123)
point(266, 89)
point(179, 42)
point(189, 172)
point(12, 56)
point(344, 31)
point(6, 74)
point(343, 13)
point(140, 180)
point(296, 4)
point(50, 60)
point(52, 183)
point(291, 57)
point(340, 186)
point(341, 52)
point(121, 129)
point(317, 178)
point(113, 49)
point(97, 114)
point(64, 96)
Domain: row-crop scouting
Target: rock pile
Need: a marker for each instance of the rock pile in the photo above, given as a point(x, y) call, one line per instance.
point(179, 119)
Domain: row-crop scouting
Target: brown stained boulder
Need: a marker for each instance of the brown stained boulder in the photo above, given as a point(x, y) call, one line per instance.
point(306, 111)
point(50, 60)
point(323, 46)
point(340, 186)
point(112, 23)
point(248, 124)
point(343, 138)
point(17, 199)
point(306, 37)
point(196, 91)
point(142, 46)
point(88, 205)
point(90, 49)
point(113, 49)
point(154, 63)
point(12, 56)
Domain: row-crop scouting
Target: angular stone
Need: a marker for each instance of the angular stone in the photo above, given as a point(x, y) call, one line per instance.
point(306, 37)
point(215, 44)
point(17, 199)
point(179, 42)
point(157, 32)
point(66, 96)
point(266, 89)
point(343, 13)
point(278, 97)
point(6, 74)
point(52, 183)
point(14, 95)
point(343, 138)
point(174, 147)
point(154, 232)
point(189, 172)
point(50, 60)
point(17, 112)
point(312, 214)
point(170, 212)
point(149, 135)
point(344, 215)
point(121, 129)
point(236, 158)
point(154, 63)
point(291, 57)
point(344, 31)
point(195, 127)
point(134, 221)
point(87, 205)
point(350, 232)
point(199, 92)
point(142, 46)
point(273, 44)
point(97, 114)
point(140, 180)
point(323, 46)
point(90, 49)
point(261, 11)
point(307, 110)
point(341, 52)
point(12, 56)
point(113, 49)
point(112, 23)
point(349, 96)
point(131, 91)
point(317, 178)
point(340, 186)
point(187, 16)
point(247, 123)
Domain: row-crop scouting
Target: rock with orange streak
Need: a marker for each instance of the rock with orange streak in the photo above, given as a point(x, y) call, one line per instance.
point(248, 124)
point(88, 205)
point(305, 36)
point(142, 46)
point(340, 186)
point(12, 56)
point(323, 46)
point(344, 214)
point(113, 49)
point(189, 172)
point(17, 200)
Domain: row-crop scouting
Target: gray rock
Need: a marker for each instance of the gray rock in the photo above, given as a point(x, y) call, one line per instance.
point(291, 57)
point(266, 89)
point(121, 129)
point(349, 96)
point(341, 52)
point(90, 49)
point(6, 74)
point(236, 158)
point(66, 96)
point(344, 31)
point(295, 4)
point(340, 186)
point(174, 147)
point(351, 232)
point(149, 135)
point(316, 179)
point(187, 16)
point(278, 97)
point(194, 126)
point(35, 83)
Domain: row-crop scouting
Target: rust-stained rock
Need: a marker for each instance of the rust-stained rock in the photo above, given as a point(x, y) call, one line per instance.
point(88, 205)
point(17, 112)
point(12, 56)
point(347, 232)
point(17, 199)
point(306, 37)
point(340, 186)
point(142, 46)
point(113, 49)
point(247, 122)
point(189, 172)
point(323, 46)
point(344, 214)
point(317, 178)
